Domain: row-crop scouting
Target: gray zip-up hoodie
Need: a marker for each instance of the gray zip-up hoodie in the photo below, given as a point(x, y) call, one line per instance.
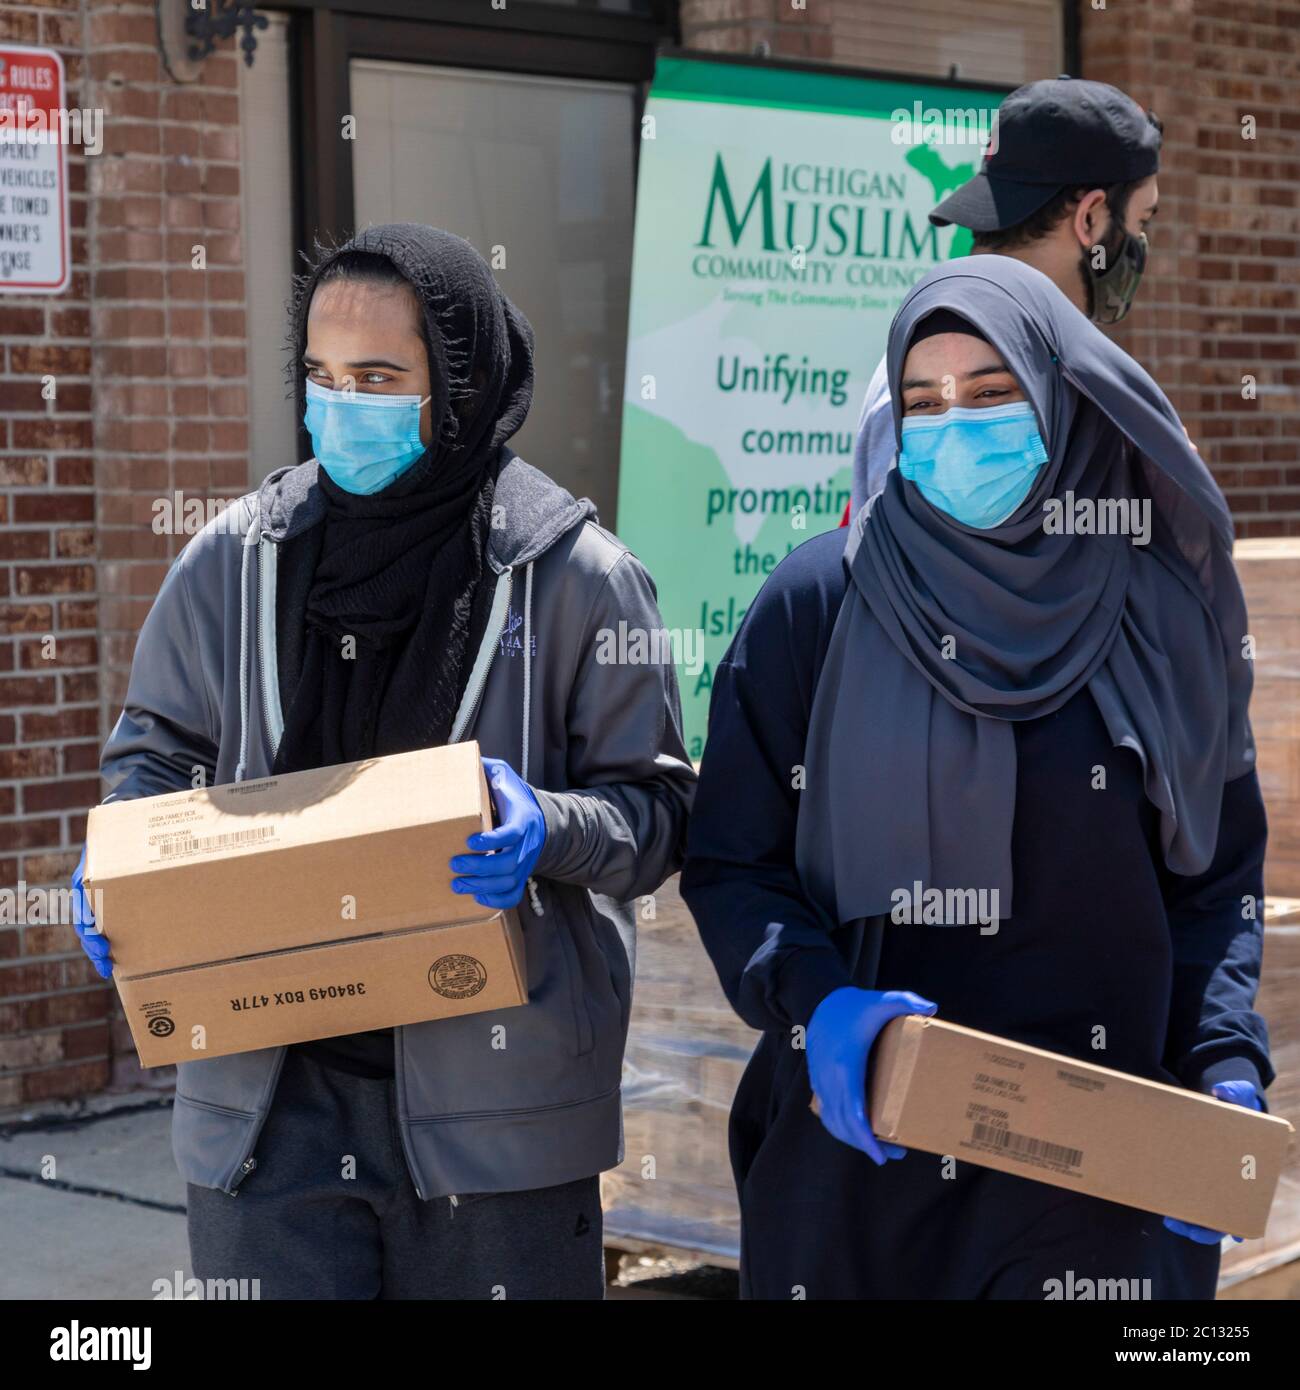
point(601, 745)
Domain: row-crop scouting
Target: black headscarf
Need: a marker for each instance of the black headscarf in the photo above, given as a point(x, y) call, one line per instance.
point(911, 756)
point(401, 572)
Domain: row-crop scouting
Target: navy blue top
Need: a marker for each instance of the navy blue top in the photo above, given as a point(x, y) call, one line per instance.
point(1103, 936)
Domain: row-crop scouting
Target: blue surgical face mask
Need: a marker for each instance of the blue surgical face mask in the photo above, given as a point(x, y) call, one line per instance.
point(976, 465)
point(363, 441)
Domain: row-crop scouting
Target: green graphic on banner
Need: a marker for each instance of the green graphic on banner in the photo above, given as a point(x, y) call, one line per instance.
point(782, 217)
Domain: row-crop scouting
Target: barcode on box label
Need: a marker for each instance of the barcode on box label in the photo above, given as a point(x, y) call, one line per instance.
point(174, 846)
point(1022, 1146)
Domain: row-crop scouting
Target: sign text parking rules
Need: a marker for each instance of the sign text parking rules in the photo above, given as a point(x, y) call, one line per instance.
point(34, 255)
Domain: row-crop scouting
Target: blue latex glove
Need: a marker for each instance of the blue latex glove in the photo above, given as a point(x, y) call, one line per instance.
point(93, 942)
point(840, 1034)
point(1235, 1093)
point(498, 872)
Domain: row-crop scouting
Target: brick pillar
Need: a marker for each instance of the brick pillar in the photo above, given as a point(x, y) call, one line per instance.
point(54, 1035)
point(1220, 299)
point(170, 386)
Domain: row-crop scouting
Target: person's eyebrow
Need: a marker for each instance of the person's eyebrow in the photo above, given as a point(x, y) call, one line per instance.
point(309, 361)
point(1000, 369)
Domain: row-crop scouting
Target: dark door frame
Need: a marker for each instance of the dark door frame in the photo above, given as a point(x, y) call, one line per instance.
point(575, 40)
point(541, 40)
point(324, 41)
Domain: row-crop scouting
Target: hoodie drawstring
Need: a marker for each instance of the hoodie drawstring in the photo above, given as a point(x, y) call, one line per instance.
point(250, 540)
point(528, 662)
point(534, 893)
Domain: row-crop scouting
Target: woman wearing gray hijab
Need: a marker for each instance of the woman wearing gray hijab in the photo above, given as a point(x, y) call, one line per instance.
point(986, 752)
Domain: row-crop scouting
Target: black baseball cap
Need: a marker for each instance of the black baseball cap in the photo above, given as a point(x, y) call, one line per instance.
point(1062, 132)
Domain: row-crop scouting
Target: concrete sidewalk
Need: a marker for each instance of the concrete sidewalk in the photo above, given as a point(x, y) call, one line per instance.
point(91, 1204)
point(91, 1207)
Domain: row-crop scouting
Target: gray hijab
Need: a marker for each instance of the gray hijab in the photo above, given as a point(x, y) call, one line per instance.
point(911, 753)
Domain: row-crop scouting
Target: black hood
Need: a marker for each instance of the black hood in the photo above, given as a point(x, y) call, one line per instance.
point(480, 346)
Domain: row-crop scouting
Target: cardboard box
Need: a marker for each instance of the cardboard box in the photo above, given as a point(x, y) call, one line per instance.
point(946, 1089)
point(300, 906)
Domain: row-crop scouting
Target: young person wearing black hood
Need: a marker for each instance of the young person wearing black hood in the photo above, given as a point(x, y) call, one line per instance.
point(1044, 725)
point(414, 584)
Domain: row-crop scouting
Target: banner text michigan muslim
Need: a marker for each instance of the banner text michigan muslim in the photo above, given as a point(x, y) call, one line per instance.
point(782, 216)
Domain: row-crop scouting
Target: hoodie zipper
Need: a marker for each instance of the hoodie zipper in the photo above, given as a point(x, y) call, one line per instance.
point(403, 1125)
point(245, 1168)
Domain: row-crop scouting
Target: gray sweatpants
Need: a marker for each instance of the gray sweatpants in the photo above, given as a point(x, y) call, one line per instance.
point(330, 1212)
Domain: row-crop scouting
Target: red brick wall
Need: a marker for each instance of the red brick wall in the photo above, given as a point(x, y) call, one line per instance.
point(149, 359)
point(740, 26)
point(1222, 299)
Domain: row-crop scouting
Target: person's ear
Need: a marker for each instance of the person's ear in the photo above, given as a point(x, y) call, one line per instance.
point(1090, 218)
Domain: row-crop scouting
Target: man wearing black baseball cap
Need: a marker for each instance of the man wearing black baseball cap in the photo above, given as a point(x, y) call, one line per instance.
point(1068, 185)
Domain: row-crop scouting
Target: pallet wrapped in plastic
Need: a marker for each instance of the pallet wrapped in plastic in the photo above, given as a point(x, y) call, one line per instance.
point(685, 1055)
point(1270, 576)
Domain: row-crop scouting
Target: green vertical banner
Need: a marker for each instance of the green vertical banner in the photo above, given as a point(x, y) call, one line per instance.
point(782, 218)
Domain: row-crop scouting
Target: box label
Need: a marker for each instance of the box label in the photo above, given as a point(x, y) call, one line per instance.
point(184, 844)
point(1080, 1082)
point(991, 1132)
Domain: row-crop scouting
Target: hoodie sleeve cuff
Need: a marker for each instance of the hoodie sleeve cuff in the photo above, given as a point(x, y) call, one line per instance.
point(558, 813)
point(1230, 1069)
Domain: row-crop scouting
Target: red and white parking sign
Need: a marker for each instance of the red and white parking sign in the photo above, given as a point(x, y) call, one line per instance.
point(33, 173)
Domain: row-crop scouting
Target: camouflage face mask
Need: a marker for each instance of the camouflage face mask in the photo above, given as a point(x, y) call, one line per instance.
point(1111, 291)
